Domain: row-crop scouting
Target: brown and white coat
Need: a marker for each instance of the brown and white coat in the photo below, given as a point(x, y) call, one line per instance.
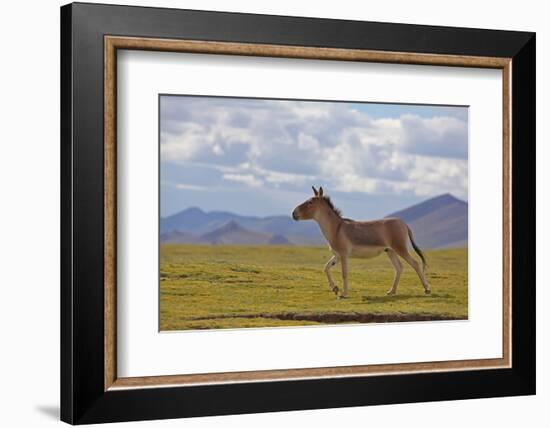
point(360, 239)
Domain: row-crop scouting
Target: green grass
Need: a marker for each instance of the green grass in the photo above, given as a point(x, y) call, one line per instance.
point(205, 287)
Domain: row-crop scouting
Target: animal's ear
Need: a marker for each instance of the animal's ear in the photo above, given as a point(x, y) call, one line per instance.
point(315, 192)
point(321, 192)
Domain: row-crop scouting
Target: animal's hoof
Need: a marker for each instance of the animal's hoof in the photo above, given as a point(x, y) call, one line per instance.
point(390, 293)
point(342, 297)
point(335, 290)
point(427, 291)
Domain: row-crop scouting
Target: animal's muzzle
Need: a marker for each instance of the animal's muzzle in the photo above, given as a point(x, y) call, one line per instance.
point(294, 215)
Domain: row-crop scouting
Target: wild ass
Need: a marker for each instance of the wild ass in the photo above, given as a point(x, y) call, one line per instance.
point(360, 239)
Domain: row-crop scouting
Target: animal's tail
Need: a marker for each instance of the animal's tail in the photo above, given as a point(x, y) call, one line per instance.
point(418, 250)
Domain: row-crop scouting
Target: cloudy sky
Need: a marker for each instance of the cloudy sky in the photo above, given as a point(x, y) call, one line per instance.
point(261, 157)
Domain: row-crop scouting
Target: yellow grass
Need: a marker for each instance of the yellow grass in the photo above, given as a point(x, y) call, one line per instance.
point(224, 286)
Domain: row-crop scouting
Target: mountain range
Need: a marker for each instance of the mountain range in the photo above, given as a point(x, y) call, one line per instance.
point(439, 222)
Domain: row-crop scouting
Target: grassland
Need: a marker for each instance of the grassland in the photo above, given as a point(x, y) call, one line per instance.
point(223, 286)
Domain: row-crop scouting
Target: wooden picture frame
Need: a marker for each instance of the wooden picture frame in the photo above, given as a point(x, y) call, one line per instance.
point(91, 390)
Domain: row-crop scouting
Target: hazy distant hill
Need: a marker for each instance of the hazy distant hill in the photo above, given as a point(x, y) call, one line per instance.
point(279, 240)
point(196, 221)
point(282, 229)
point(439, 222)
point(178, 237)
point(232, 233)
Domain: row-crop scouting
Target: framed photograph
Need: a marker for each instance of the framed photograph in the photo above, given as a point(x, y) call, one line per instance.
point(266, 213)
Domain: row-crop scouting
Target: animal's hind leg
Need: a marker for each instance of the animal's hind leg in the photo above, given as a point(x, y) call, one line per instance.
point(344, 261)
point(398, 268)
point(416, 266)
point(330, 264)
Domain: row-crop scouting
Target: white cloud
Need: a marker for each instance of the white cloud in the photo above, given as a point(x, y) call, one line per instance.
point(186, 143)
point(308, 143)
point(217, 150)
point(185, 186)
point(437, 136)
point(248, 179)
point(292, 144)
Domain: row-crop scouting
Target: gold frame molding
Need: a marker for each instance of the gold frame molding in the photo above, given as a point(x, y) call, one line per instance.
point(113, 43)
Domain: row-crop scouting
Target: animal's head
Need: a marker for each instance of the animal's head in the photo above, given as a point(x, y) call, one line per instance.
point(308, 209)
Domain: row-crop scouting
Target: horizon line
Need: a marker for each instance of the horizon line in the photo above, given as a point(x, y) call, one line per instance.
point(284, 215)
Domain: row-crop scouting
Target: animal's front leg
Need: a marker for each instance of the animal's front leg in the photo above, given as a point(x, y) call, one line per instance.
point(330, 264)
point(345, 276)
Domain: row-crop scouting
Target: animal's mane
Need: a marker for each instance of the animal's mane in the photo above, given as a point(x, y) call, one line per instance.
point(336, 211)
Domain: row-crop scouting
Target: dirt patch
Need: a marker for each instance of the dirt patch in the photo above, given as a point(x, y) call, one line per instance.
point(340, 317)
